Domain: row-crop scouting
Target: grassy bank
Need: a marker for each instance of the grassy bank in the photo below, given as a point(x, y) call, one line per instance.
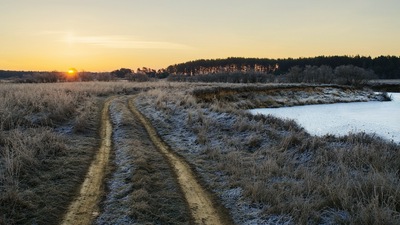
point(267, 170)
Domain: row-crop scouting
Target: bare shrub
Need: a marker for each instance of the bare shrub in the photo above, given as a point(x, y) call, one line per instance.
point(87, 76)
point(41, 77)
point(104, 77)
point(352, 75)
point(137, 77)
point(295, 75)
point(344, 75)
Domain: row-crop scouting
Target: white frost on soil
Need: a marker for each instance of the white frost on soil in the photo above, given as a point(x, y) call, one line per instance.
point(117, 202)
point(176, 131)
point(181, 128)
point(380, 118)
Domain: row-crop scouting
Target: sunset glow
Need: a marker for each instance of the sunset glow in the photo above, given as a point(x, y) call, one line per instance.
point(72, 74)
point(106, 35)
point(71, 71)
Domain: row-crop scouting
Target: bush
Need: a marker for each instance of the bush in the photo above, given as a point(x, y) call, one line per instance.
point(353, 75)
point(137, 77)
point(45, 77)
point(344, 75)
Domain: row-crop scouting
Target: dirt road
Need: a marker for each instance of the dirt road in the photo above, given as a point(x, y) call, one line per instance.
point(200, 203)
point(85, 208)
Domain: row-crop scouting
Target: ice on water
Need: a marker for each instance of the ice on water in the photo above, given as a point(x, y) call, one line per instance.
point(381, 118)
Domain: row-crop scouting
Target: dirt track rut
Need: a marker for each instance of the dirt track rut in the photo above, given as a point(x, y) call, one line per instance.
point(86, 207)
point(200, 202)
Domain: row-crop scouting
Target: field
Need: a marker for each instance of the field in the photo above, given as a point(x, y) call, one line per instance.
point(186, 153)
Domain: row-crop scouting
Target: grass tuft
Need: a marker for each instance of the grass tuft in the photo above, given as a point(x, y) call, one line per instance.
point(281, 170)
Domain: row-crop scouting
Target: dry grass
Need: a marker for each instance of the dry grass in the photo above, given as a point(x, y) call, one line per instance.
point(48, 135)
point(227, 98)
point(308, 180)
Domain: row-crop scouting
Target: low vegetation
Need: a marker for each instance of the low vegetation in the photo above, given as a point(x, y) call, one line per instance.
point(267, 170)
point(263, 169)
point(48, 136)
point(278, 95)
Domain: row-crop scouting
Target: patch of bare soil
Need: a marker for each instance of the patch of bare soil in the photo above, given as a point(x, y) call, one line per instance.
point(203, 208)
point(85, 207)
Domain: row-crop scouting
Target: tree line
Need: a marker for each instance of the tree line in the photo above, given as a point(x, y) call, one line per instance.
point(385, 67)
point(322, 69)
point(344, 75)
point(141, 75)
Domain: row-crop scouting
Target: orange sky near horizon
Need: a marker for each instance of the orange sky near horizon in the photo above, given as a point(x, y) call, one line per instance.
point(104, 35)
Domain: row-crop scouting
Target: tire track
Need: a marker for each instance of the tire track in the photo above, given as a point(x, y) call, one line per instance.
point(199, 200)
point(142, 187)
point(85, 207)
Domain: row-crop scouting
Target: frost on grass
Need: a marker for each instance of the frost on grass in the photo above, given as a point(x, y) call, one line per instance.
point(116, 206)
point(141, 188)
point(199, 145)
point(270, 171)
point(184, 132)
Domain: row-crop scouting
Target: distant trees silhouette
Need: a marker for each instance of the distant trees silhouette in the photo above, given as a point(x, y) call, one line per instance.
point(322, 69)
point(235, 77)
point(41, 77)
point(121, 73)
point(386, 67)
point(345, 74)
point(90, 76)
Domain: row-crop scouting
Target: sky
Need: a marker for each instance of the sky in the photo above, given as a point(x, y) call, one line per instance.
point(104, 35)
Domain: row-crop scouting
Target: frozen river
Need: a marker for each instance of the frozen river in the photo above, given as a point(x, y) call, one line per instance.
point(381, 118)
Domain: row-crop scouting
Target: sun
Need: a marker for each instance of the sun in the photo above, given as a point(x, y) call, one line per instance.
point(72, 71)
point(72, 74)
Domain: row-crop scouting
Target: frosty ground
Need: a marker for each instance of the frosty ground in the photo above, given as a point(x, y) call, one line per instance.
point(271, 171)
point(264, 170)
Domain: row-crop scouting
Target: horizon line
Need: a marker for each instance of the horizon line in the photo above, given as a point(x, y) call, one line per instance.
point(193, 60)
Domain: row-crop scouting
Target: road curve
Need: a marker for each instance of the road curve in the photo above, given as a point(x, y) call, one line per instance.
point(199, 200)
point(85, 208)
